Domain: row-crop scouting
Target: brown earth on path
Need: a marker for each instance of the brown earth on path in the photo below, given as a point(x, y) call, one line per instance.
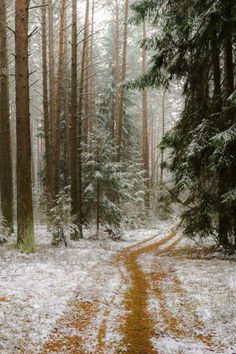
point(137, 326)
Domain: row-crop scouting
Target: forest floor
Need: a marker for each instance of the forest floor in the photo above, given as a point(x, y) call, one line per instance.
point(153, 292)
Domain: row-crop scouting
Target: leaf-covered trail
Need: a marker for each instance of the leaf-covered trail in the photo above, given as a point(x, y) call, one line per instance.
point(136, 326)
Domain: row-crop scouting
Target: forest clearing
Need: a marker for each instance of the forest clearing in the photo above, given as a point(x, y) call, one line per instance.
point(117, 176)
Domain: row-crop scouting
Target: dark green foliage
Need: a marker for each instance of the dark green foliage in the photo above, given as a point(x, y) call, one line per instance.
point(109, 186)
point(195, 42)
point(62, 223)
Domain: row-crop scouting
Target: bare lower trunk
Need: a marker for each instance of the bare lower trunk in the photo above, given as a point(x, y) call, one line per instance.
point(46, 110)
point(25, 221)
point(6, 182)
point(91, 73)
point(145, 129)
point(80, 109)
point(117, 71)
point(74, 112)
point(163, 133)
point(67, 119)
point(98, 208)
point(52, 89)
point(123, 77)
point(56, 128)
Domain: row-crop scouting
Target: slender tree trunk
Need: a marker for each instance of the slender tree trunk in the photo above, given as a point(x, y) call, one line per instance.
point(25, 221)
point(67, 118)
point(86, 91)
point(163, 133)
point(117, 71)
point(152, 151)
point(156, 142)
point(98, 207)
point(74, 112)
point(80, 110)
point(52, 88)
point(46, 110)
point(217, 97)
point(6, 179)
point(145, 128)
point(216, 67)
point(57, 126)
point(123, 77)
point(91, 71)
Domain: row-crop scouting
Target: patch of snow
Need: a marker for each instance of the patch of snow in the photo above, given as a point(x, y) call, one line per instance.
point(38, 287)
point(209, 291)
point(212, 286)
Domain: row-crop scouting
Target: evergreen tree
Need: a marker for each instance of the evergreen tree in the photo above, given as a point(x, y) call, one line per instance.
point(194, 42)
point(107, 185)
point(62, 223)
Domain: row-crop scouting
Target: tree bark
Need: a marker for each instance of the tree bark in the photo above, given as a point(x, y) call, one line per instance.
point(123, 77)
point(46, 110)
point(117, 72)
point(52, 89)
point(6, 178)
point(67, 118)
point(163, 133)
point(74, 112)
point(25, 221)
point(57, 125)
point(145, 128)
point(91, 71)
point(80, 110)
point(98, 207)
point(86, 91)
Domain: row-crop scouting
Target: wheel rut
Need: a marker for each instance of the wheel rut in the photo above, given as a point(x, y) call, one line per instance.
point(136, 326)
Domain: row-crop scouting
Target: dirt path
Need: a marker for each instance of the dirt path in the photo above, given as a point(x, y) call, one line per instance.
point(136, 326)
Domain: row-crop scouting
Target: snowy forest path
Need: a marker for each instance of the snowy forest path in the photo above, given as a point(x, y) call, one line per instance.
point(125, 323)
point(137, 328)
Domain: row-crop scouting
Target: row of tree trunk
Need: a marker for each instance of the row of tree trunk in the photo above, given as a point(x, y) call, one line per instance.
point(78, 109)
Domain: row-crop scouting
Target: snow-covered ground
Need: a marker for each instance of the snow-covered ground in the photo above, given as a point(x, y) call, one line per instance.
point(35, 289)
point(192, 302)
point(212, 286)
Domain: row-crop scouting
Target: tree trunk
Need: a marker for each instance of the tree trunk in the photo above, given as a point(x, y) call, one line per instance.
point(163, 134)
point(52, 88)
point(87, 94)
point(25, 221)
point(123, 77)
point(98, 208)
point(80, 110)
point(216, 67)
point(91, 71)
point(46, 110)
point(6, 179)
point(66, 109)
point(117, 72)
point(74, 111)
point(145, 128)
point(57, 126)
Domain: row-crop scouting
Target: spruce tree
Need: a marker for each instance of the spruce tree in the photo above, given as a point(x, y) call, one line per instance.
point(194, 43)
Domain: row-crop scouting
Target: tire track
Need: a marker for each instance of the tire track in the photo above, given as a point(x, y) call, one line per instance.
point(138, 328)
